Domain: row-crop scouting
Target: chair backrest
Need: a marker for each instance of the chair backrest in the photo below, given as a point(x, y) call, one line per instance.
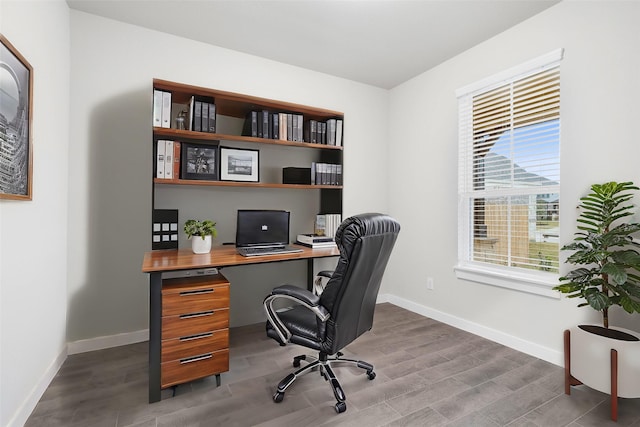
point(365, 242)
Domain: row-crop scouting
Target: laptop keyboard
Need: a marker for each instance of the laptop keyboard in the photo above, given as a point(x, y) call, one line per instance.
point(267, 251)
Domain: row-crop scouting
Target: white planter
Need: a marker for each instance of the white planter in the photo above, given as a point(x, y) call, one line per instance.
point(200, 245)
point(591, 361)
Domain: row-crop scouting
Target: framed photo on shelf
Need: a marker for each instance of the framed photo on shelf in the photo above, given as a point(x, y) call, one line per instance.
point(199, 161)
point(239, 164)
point(16, 99)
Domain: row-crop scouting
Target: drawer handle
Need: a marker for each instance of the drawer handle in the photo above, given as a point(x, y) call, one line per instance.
point(196, 337)
point(199, 314)
point(198, 292)
point(196, 358)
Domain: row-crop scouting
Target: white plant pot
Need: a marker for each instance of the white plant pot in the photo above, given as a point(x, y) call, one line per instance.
point(591, 361)
point(200, 245)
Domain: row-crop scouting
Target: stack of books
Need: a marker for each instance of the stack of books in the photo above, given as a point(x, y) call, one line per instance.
point(314, 241)
point(292, 127)
point(327, 133)
point(266, 124)
point(167, 159)
point(326, 174)
point(202, 113)
point(327, 224)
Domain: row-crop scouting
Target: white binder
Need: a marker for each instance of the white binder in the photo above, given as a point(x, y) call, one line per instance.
point(168, 160)
point(157, 108)
point(160, 159)
point(166, 109)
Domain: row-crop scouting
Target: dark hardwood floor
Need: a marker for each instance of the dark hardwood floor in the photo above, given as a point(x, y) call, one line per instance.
point(428, 374)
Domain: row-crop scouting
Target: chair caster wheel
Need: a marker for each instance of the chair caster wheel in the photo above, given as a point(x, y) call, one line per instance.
point(371, 375)
point(278, 397)
point(341, 407)
point(297, 359)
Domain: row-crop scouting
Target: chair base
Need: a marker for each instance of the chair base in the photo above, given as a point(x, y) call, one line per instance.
point(323, 362)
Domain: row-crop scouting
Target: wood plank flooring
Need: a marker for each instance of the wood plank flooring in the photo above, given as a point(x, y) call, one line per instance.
point(428, 374)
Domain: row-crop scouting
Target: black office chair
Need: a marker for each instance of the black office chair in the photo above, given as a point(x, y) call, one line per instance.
point(344, 311)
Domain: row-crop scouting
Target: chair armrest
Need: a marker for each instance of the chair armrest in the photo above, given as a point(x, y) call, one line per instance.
point(325, 273)
point(298, 295)
point(320, 281)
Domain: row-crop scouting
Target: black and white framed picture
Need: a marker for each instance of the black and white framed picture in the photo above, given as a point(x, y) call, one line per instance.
point(199, 161)
point(239, 164)
point(16, 95)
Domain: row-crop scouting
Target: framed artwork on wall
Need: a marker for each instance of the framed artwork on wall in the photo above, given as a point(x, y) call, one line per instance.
point(16, 99)
point(239, 164)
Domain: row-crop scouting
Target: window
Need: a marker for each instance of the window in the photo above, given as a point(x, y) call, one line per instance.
point(509, 177)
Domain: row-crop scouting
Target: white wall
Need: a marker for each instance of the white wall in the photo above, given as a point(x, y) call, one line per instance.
point(112, 68)
point(109, 190)
point(33, 234)
point(599, 86)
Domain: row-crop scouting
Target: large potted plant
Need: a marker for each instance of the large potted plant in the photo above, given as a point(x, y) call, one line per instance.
point(608, 274)
point(201, 234)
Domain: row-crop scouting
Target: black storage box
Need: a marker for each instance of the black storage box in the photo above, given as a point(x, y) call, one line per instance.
point(293, 175)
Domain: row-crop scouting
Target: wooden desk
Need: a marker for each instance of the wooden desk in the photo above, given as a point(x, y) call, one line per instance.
point(157, 262)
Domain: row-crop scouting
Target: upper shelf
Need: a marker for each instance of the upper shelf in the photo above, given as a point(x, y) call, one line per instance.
point(197, 182)
point(237, 105)
point(171, 133)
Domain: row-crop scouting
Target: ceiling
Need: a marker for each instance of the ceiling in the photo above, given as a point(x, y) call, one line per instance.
point(380, 43)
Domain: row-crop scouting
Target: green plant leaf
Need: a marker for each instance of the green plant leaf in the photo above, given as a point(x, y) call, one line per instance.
point(574, 246)
point(581, 257)
point(626, 229)
point(568, 287)
point(579, 275)
point(616, 272)
point(632, 289)
point(593, 224)
point(597, 300)
point(629, 305)
point(627, 257)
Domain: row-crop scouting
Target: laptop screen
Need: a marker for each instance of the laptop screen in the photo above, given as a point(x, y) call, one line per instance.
point(262, 228)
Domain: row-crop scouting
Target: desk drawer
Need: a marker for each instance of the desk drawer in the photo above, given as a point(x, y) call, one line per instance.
point(183, 347)
point(188, 369)
point(188, 298)
point(194, 323)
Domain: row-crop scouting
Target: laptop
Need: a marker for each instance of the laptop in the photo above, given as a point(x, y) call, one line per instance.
point(263, 232)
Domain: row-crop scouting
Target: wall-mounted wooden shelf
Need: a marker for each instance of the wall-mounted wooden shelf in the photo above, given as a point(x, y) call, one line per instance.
point(187, 135)
point(243, 184)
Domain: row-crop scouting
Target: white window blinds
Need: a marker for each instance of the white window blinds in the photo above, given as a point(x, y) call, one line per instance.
point(509, 170)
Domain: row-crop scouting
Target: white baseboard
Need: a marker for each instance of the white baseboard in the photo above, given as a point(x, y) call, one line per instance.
point(532, 349)
point(24, 411)
point(100, 343)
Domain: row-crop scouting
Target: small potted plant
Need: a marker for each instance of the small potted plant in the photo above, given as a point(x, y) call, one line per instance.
point(200, 233)
point(608, 274)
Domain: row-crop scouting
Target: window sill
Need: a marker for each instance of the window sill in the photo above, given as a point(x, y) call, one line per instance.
point(538, 283)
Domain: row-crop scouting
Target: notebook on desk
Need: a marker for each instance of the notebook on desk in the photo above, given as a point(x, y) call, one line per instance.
point(263, 232)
